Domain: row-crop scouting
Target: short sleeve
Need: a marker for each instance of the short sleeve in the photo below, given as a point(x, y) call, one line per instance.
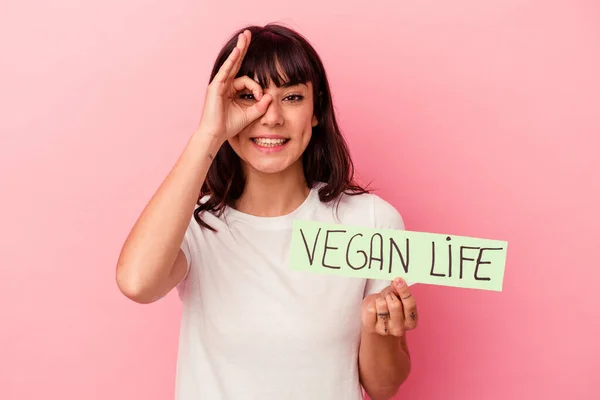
point(190, 239)
point(187, 247)
point(385, 216)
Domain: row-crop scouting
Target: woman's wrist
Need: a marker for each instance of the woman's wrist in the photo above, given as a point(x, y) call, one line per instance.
point(210, 140)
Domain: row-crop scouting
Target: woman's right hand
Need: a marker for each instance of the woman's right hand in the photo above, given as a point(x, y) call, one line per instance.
point(222, 116)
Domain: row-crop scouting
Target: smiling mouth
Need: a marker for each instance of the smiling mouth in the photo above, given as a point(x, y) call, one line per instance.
point(264, 142)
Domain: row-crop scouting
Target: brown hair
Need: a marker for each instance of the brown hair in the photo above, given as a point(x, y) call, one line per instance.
point(326, 158)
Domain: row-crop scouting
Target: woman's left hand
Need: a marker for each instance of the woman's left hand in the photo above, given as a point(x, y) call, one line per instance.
point(391, 312)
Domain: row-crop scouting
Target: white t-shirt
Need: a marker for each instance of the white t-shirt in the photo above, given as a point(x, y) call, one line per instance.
point(252, 328)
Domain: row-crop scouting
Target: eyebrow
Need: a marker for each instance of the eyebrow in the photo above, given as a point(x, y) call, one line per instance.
point(289, 84)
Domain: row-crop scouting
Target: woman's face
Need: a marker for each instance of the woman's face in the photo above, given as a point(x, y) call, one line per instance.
point(276, 140)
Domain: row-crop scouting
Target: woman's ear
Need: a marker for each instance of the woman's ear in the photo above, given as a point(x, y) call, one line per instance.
point(315, 121)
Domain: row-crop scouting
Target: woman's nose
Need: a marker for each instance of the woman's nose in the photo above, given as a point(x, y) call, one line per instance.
point(273, 116)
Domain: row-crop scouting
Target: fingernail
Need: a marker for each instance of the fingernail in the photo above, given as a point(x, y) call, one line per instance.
point(399, 282)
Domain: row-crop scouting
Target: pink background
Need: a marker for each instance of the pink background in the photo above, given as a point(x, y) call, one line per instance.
point(473, 118)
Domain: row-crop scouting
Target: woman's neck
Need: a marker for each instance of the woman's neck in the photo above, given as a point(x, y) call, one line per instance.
point(273, 195)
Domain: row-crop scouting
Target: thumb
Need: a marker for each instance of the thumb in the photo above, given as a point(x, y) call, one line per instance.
point(259, 108)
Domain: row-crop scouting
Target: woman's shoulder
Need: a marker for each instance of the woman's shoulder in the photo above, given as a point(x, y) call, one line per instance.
point(371, 209)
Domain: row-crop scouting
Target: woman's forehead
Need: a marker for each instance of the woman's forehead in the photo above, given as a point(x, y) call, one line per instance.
point(281, 70)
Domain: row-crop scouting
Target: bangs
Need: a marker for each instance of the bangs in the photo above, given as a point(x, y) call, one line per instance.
point(278, 59)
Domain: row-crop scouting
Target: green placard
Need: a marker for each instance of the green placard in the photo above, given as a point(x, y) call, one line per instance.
point(418, 257)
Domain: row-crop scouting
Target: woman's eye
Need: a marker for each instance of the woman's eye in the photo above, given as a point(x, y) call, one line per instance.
point(247, 96)
point(295, 97)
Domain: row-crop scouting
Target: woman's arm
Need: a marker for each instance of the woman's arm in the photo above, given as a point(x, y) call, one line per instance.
point(383, 364)
point(151, 262)
point(383, 359)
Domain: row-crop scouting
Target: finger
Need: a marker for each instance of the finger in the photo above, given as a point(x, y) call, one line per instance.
point(369, 316)
point(242, 44)
point(387, 290)
point(244, 82)
point(258, 108)
point(408, 303)
point(223, 73)
point(383, 316)
point(396, 323)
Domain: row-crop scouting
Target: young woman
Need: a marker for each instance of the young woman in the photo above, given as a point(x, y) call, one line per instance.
point(267, 151)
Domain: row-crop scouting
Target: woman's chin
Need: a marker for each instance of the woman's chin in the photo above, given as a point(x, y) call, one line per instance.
point(272, 166)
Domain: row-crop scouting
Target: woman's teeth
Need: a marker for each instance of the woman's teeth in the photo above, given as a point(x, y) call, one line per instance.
point(269, 142)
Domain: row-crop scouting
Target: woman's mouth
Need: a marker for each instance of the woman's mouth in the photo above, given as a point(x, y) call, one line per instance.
point(269, 142)
point(269, 145)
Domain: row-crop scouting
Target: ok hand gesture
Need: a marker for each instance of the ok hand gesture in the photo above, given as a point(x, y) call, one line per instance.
point(222, 116)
